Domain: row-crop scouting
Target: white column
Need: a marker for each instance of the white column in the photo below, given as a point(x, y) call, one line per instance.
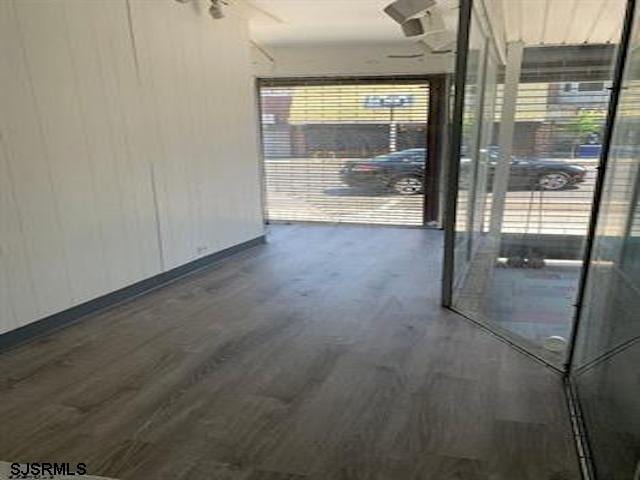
point(505, 139)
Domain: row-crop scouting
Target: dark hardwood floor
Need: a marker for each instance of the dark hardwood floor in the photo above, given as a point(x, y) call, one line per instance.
point(321, 355)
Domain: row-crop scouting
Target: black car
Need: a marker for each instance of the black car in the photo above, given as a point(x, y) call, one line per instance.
point(403, 172)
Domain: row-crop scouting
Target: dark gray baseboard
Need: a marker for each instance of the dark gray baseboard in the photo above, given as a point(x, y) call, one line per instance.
point(67, 317)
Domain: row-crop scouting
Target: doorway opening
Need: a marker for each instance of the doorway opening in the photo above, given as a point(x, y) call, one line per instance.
point(349, 151)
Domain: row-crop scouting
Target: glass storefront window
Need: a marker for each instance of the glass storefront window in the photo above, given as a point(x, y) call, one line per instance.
point(607, 357)
point(522, 279)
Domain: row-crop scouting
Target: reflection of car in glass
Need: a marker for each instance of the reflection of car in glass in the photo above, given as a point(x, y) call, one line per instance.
point(403, 172)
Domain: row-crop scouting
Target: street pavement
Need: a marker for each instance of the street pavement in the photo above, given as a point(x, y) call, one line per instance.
point(312, 190)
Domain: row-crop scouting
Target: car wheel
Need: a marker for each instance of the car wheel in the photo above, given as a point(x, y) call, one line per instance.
point(408, 185)
point(553, 181)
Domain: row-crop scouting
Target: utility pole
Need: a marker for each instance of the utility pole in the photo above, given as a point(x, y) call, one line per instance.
point(393, 130)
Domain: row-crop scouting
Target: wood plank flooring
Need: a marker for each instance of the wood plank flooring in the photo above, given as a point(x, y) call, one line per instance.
point(321, 355)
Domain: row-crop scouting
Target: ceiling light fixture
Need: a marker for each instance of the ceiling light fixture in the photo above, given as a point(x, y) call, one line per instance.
point(412, 27)
point(436, 34)
point(418, 18)
point(403, 10)
point(215, 10)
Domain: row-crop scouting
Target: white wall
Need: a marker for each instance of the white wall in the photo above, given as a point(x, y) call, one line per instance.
point(118, 163)
point(348, 60)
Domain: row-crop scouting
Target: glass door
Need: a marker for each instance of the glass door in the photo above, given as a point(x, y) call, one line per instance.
point(536, 155)
point(607, 353)
point(526, 174)
point(476, 137)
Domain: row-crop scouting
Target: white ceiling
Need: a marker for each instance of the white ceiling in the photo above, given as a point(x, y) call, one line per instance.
point(357, 22)
point(558, 22)
point(324, 22)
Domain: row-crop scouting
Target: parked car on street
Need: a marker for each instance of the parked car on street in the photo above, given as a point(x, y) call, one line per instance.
point(403, 172)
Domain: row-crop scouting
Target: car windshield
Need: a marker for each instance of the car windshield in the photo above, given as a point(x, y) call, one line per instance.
point(416, 154)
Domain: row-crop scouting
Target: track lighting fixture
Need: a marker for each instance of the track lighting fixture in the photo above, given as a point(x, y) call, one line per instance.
point(417, 18)
point(435, 32)
point(403, 10)
point(412, 27)
point(215, 10)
